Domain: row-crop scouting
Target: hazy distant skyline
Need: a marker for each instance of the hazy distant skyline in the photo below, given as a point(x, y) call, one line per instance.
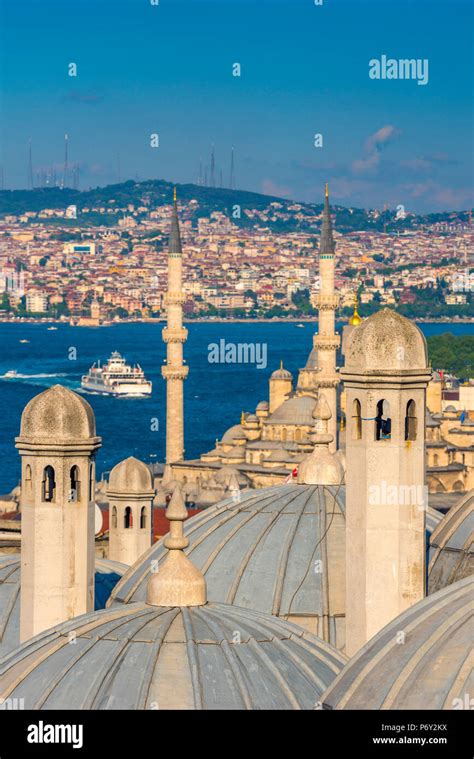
point(144, 69)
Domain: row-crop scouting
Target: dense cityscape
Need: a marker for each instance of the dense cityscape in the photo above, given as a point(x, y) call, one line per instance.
point(55, 263)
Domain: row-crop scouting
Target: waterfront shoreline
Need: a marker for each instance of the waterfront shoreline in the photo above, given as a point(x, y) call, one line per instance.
point(220, 320)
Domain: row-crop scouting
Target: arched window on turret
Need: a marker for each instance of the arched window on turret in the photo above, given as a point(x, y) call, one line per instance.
point(114, 517)
point(297, 435)
point(383, 422)
point(356, 420)
point(143, 518)
point(74, 484)
point(410, 421)
point(283, 434)
point(128, 518)
point(28, 480)
point(48, 484)
point(435, 460)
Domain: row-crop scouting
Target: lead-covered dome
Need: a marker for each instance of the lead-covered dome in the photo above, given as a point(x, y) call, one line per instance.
point(107, 574)
point(131, 476)
point(385, 341)
point(451, 554)
point(420, 660)
point(280, 550)
point(296, 410)
point(149, 657)
point(57, 414)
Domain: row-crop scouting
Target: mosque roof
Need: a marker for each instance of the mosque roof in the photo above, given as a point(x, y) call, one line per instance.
point(261, 549)
point(296, 410)
point(58, 415)
point(259, 552)
point(130, 476)
point(451, 555)
point(107, 574)
point(139, 656)
point(428, 668)
point(385, 341)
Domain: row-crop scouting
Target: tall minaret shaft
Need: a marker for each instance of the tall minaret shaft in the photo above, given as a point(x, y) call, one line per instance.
point(174, 335)
point(320, 371)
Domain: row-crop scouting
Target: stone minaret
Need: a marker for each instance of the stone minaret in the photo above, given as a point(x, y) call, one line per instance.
point(385, 376)
point(174, 335)
point(320, 370)
point(130, 492)
point(57, 444)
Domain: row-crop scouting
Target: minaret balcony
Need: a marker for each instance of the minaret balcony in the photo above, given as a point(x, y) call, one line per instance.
point(326, 342)
point(171, 335)
point(326, 302)
point(174, 372)
point(175, 298)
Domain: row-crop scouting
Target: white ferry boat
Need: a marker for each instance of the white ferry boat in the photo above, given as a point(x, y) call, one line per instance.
point(116, 377)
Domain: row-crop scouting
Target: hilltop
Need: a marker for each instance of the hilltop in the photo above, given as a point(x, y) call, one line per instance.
point(256, 209)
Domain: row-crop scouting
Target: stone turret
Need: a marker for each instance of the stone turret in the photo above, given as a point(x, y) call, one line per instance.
point(130, 492)
point(57, 444)
point(385, 377)
point(281, 387)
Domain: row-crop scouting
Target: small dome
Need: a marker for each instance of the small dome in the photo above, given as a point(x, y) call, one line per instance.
point(281, 374)
point(296, 410)
point(233, 434)
point(263, 406)
point(220, 656)
point(428, 669)
point(385, 341)
point(107, 574)
point(130, 476)
point(452, 545)
point(430, 421)
point(251, 418)
point(57, 414)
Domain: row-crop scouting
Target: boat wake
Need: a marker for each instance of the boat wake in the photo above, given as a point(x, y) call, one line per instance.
point(18, 376)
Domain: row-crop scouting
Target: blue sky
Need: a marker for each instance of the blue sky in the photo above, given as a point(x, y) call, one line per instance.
point(167, 69)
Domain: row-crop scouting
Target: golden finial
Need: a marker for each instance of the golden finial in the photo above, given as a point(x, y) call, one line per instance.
point(327, 189)
point(174, 194)
point(355, 319)
point(242, 418)
point(281, 363)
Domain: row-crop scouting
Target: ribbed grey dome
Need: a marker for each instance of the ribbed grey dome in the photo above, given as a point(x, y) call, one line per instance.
point(296, 410)
point(451, 554)
point(280, 550)
point(149, 657)
point(268, 551)
point(107, 574)
point(428, 669)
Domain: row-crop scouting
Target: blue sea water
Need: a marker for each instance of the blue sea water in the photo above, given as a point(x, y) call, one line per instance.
point(215, 393)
